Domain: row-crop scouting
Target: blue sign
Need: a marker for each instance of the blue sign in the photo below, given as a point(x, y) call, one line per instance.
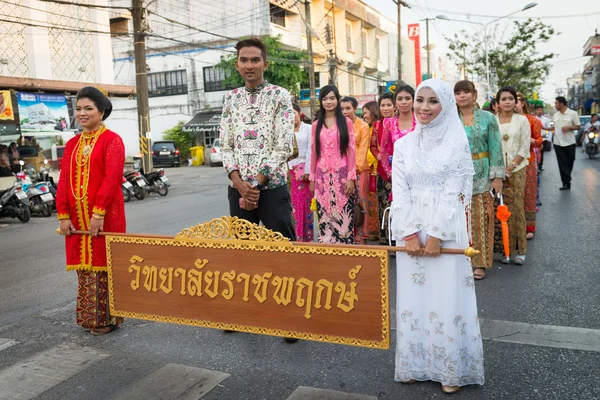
point(42, 112)
point(305, 95)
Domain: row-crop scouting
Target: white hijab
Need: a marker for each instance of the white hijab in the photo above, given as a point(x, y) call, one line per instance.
point(443, 144)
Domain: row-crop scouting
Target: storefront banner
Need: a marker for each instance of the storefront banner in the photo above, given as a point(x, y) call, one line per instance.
point(7, 112)
point(42, 112)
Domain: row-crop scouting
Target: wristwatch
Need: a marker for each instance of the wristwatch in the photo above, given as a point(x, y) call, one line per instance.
point(514, 165)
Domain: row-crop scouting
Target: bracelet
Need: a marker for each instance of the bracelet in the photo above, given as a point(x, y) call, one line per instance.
point(97, 216)
point(410, 237)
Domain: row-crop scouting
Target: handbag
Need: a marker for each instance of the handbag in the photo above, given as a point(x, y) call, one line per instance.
point(372, 183)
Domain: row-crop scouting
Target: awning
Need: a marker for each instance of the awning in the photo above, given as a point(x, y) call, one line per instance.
point(202, 121)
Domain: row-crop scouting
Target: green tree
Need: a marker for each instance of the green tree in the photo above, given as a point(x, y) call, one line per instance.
point(284, 67)
point(516, 61)
point(183, 140)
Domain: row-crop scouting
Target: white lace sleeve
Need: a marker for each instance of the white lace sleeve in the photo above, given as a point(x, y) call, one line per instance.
point(449, 219)
point(402, 215)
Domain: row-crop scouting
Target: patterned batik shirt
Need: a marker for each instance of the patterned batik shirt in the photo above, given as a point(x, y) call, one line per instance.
point(257, 131)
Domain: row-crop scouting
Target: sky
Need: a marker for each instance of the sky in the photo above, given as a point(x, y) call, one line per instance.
point(568, 45)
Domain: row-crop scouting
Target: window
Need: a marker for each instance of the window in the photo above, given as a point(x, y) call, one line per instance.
point(377, 48)
point(363, 40)
point(119, 26)
point(348, 36)
point(214, 80)
point(168, 83)
point(277, 15)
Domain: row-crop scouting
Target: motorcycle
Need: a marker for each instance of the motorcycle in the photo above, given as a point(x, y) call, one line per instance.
point(157, 182)
point(127, 189)
point(591, 148)
point(41, 200)
point(138, 182)
point(14, 203)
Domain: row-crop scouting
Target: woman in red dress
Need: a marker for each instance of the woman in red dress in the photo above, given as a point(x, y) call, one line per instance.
point(89, 198)
point(531, 185)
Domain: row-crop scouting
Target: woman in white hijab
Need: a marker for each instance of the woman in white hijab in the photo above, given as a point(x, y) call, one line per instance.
point(438, 336)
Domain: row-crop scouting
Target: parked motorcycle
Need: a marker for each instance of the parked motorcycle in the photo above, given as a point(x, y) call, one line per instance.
point(127, 189)
point(137, 180)
point(591, 148)
point(41, 200)
point(157, 182)
point(14, 203)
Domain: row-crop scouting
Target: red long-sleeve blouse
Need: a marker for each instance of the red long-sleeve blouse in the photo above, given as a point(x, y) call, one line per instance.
point(88, 186)
point(536, 134)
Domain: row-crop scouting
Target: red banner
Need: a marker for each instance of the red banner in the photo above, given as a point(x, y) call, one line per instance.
point(414, 35)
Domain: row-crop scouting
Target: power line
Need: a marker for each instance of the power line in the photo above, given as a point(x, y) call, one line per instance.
point(53, 13)
point(512, 17)
point(68, 3)
point(62, 28)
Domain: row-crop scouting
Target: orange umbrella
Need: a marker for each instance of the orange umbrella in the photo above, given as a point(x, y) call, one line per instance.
point(503, 214)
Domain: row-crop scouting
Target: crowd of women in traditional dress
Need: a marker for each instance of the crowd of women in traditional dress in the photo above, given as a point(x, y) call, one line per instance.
point(345, 163)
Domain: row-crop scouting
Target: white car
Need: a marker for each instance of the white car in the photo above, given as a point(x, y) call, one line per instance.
point(215, 154)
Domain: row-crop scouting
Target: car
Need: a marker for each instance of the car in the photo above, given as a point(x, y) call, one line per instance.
point(165, 152)
point(215, 154)
point(583, 119)
point(54, 164)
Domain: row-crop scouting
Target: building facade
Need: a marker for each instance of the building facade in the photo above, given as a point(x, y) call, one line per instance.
point(186, 40)
point(583, 88)
point(49, 52)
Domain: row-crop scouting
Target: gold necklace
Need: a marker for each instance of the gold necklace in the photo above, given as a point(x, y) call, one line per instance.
point(85, 154)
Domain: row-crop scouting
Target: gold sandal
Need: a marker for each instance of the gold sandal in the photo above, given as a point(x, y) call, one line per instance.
point(102, 331)
point(450, 389)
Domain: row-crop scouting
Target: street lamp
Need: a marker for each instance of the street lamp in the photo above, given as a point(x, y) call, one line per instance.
point(485, 41)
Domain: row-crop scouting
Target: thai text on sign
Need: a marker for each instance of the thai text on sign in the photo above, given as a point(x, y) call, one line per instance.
point(329, 294)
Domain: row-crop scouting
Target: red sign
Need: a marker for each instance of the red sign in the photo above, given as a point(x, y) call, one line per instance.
point(414, 35)
point(596, 50)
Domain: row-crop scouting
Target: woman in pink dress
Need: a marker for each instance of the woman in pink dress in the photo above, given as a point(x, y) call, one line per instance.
point(333, 169)
point(299, 172)
point(384, 181)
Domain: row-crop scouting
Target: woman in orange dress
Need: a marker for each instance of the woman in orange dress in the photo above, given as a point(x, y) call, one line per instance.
point(531, 184)
point(89, 198)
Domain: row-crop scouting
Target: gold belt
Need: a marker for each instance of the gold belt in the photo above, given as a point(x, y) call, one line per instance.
point(479, 156)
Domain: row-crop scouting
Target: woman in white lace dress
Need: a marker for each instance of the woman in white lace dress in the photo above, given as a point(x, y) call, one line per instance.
point(438, 336)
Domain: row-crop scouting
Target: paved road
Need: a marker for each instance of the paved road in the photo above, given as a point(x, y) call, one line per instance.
point(541, 321)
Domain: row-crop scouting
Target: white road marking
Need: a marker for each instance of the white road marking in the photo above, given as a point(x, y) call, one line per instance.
point(176, 382)
point(6, 343)
point(310, 393)
point(561, 337)
point(42, 371)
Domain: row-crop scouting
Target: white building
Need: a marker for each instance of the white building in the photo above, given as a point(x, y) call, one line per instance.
point(53, 48)
point(182, 55)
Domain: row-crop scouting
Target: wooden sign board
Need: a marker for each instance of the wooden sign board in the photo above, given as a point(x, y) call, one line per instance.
point(230, 274)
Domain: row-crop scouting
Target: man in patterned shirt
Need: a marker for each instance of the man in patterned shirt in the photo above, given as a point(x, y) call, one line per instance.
point(257, 130)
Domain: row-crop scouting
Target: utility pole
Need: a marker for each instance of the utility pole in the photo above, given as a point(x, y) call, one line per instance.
point(141, 83)
point(311, 59)
point(331, 38)
point(400, 4)
point(428, 48)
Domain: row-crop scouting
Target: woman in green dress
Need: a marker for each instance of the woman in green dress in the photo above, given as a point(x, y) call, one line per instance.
point(486, 149)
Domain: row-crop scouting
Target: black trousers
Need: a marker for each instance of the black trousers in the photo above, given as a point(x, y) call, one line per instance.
point(274, 210)
point(566, 158)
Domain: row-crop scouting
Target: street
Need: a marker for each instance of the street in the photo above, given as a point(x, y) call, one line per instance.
point(541, 321)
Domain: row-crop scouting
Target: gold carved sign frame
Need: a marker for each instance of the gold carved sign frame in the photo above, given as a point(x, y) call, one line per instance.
point(233, 275)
